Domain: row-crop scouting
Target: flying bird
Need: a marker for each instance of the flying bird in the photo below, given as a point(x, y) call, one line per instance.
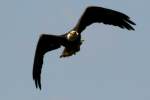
point(71, 40)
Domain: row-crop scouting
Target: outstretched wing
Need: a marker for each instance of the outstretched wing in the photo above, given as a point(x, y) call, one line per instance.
point(102, 15)
point(46, 43)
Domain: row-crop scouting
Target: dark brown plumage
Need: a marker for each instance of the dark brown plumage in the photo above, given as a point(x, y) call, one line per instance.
point(71, 41)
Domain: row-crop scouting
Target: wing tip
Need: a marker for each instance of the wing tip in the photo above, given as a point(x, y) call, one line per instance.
point(37, 83)
point(130, 23)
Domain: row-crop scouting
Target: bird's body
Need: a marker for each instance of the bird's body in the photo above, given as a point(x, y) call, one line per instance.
point(72, 46)
point(71, 41)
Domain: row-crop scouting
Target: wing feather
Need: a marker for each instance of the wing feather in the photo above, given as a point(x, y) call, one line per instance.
point(46, 43)
point(103, 15)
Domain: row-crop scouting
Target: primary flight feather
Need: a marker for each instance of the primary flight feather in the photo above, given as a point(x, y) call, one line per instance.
point(71, 41)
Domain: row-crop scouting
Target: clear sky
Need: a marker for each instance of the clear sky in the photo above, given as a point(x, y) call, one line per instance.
point(113, 64)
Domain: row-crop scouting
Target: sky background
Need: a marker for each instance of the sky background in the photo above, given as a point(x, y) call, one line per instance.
point(113, 64)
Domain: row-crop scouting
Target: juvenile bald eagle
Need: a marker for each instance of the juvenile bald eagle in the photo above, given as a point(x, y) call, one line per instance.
point(71, 41)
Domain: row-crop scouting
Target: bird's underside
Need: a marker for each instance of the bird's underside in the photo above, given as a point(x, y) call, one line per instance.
point(71, 41)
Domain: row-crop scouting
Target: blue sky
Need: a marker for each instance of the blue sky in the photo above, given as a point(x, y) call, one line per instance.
point(113, 64)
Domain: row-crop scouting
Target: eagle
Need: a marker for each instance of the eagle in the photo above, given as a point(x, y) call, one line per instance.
point(71, 40)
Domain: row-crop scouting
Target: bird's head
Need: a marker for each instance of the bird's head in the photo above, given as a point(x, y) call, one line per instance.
point(72, 35)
